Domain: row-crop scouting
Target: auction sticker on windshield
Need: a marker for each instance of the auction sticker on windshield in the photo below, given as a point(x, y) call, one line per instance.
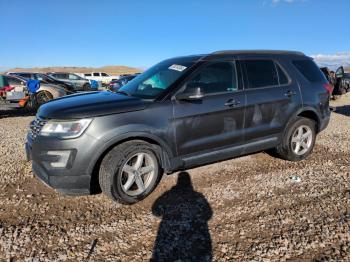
point(179, 68)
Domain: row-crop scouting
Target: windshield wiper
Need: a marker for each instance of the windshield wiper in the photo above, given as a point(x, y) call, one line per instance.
point(122, 92)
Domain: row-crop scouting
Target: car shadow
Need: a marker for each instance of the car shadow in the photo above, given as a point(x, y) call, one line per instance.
point(343, 110)
point(16, 112)
point(183, 233)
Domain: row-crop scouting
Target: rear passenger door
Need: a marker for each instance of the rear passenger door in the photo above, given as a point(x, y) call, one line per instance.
point(272, 98)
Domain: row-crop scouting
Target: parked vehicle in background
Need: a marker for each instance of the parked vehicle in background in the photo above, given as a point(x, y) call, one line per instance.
point(104, 78)
point(182, 113)
point(122, 81)
point(79, 83)
point(330, 75)
point(342, 82)
point(347, 81)
point(45, 79)
point(45, 93)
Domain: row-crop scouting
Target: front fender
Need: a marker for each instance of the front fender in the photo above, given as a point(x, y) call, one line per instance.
point(166, 155)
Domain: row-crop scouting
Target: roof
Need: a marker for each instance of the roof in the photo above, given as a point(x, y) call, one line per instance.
point(258, 52)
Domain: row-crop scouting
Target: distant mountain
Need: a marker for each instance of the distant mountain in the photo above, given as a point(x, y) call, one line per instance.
point(113, 70)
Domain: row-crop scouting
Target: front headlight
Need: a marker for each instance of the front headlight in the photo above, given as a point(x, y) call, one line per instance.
point(65, 129)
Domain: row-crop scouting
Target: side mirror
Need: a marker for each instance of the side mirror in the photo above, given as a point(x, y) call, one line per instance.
point(191, 94)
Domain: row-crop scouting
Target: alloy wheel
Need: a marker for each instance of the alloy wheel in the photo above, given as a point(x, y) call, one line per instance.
point(138, 173)
point(302, 140)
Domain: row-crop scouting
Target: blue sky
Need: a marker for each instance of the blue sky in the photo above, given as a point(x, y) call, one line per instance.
point(140, 33)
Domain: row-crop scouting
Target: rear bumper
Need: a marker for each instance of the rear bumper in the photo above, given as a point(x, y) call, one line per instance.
point(324, 123)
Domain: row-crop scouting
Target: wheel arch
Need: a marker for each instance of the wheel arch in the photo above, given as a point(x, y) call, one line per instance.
point(161, 148)
point(311, 114)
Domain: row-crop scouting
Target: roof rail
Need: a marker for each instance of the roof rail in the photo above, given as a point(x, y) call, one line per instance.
point(230, 52)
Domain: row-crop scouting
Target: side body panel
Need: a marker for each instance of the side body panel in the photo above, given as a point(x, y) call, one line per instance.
point(269, 109)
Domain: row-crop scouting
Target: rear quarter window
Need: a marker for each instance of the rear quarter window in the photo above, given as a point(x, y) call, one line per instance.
point(310, 70)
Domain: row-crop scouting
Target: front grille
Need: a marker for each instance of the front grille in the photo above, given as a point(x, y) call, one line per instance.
point(35, 127)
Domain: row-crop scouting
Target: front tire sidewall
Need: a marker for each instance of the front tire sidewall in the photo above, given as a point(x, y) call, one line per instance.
point(117, 178)
point(39, 99)
point(87, 87)
point(111, 171)
point(287, 140)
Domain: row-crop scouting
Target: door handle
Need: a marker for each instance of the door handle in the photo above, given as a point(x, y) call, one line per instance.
point(232, 103)
point(290, 93)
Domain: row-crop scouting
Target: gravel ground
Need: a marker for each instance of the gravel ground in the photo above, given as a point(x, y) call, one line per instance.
point(243, 209)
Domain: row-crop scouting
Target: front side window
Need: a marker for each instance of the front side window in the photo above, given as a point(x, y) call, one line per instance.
point(87, 74)
point(217, 77)
point(104, 74)
point(60, 76)
point(261, 73)
point(73, 77)
point(157, 79)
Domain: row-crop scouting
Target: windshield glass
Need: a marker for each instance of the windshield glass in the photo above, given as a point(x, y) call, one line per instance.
point(157, 79)
point(45, 78)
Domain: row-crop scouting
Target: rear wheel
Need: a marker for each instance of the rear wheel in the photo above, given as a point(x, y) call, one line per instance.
point(130, 172)
point(43, 97)
point(299, 140)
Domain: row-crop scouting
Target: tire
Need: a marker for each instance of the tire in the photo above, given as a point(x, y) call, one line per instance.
point(43, 97)
point(119, 166)
point(288, 147)
point(86, 87)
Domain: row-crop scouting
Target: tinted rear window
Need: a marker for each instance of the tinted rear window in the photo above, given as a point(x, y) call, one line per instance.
point(310, 70)
point(261, 73)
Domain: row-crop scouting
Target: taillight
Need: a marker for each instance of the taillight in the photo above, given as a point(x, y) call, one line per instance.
point(329, 88)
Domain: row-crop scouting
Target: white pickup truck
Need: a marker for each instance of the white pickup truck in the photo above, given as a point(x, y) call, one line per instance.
point(102, 77)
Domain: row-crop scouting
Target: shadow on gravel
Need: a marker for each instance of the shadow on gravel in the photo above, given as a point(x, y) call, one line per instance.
point(344, 110)
point(16, 112)
point(183, 234)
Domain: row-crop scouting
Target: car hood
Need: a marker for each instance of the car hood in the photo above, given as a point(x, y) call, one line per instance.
point(89, 104)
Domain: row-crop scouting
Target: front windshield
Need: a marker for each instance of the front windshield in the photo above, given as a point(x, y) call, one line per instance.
point(157, 79)
point(45, 78)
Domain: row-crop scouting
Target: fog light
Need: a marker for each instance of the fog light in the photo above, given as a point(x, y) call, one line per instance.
point(59, 159)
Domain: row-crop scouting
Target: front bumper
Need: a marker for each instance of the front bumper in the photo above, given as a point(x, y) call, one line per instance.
point(65, 165)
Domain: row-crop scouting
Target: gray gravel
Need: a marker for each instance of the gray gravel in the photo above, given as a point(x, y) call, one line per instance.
point(243, 209)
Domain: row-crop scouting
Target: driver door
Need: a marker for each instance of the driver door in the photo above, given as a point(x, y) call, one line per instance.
point(215, 121)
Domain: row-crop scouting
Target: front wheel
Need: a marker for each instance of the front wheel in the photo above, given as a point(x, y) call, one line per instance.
point(43, 97)
point(299, 140)
point(87, 87)
point(130, 172)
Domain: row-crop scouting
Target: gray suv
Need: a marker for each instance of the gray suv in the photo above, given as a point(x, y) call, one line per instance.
point(183, 112)
point(78, 82)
